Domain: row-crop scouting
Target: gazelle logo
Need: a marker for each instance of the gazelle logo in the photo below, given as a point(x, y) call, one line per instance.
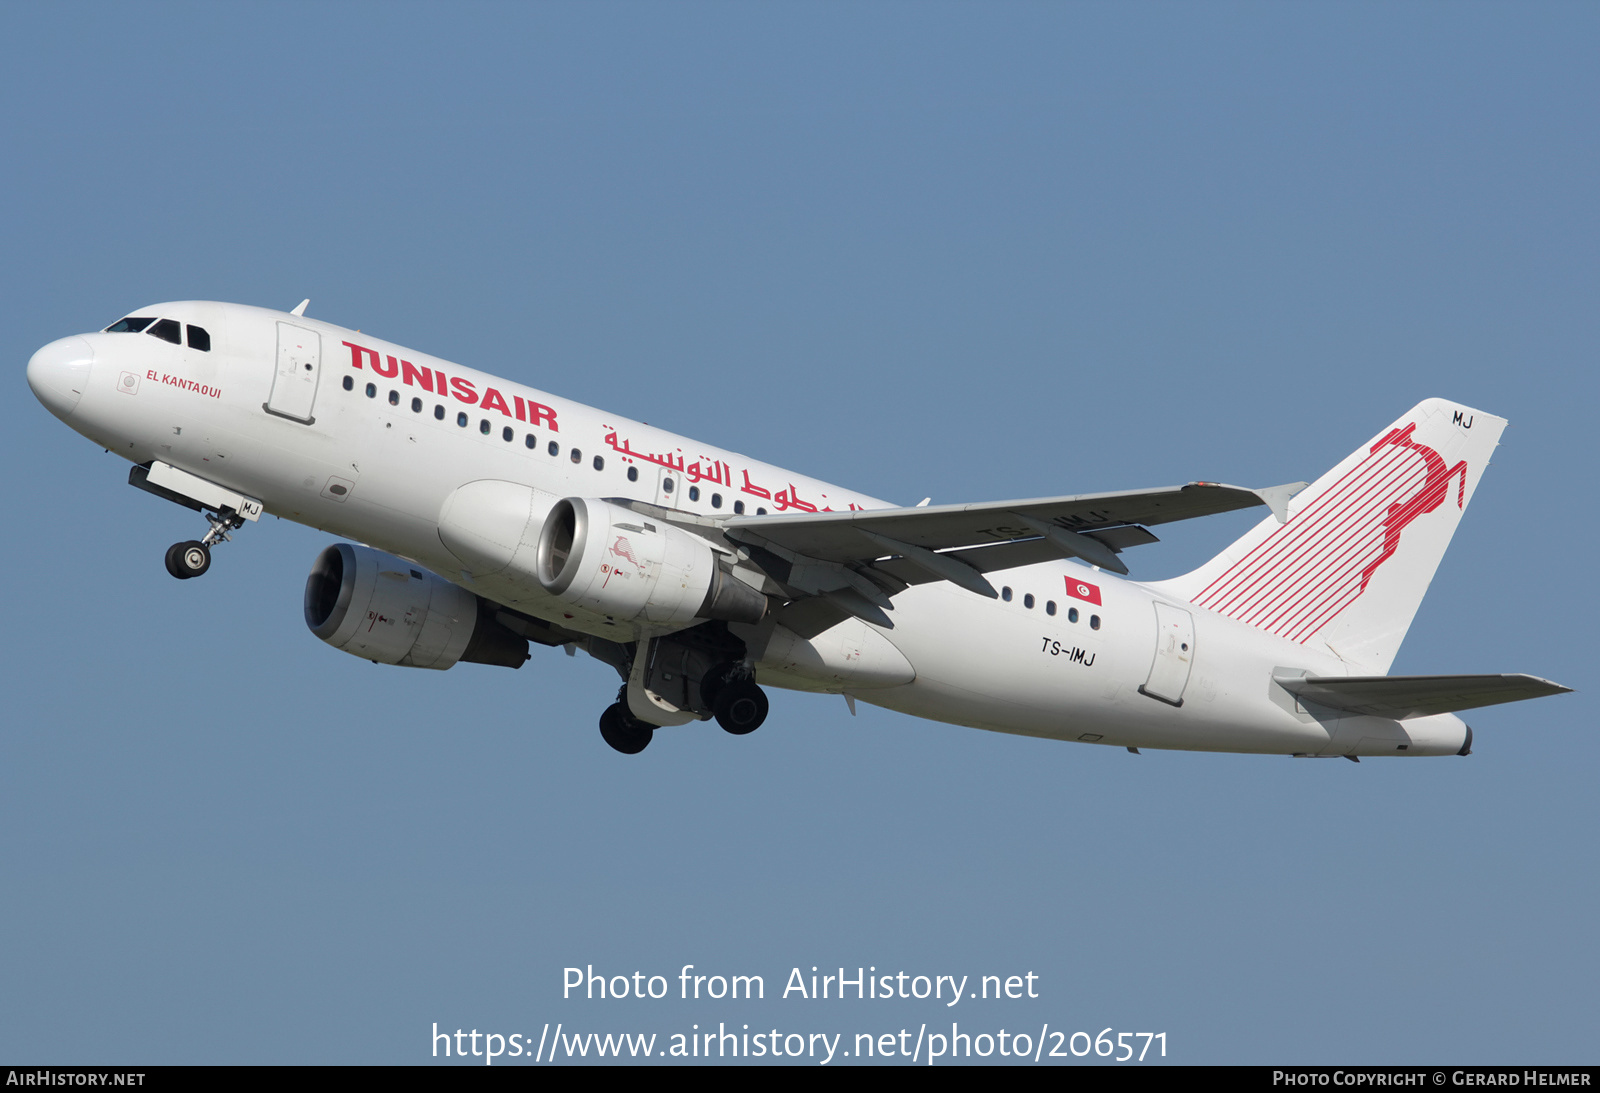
point(1435, 487)
point(1306, 572)
point(623, 549)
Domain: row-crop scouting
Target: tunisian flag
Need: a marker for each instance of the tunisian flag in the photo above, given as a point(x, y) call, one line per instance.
point(1083, 590)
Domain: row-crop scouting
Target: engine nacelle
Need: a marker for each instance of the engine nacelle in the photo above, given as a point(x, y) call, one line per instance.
point(611, 560)
point(380, 607)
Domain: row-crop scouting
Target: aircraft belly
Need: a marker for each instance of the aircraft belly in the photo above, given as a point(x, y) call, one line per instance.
point(1000, 666)
point(848, 657)
point(1020, 671)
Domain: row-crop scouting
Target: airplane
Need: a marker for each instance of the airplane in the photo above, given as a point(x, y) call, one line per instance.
point(488, 516)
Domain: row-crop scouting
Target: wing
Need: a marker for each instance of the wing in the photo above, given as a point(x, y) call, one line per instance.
point(857, 560)
point(1401, 697)
point(1094, 527)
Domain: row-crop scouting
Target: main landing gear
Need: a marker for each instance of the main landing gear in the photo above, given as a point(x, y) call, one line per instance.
point(741, 707)
point(623, 731)
point(732, 696)
point(734, 699)
point(193, 558)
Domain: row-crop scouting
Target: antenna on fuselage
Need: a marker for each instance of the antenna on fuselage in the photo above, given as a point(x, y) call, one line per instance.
point(301, 310)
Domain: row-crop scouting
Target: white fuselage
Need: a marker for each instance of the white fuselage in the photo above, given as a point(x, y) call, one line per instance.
point(371, 468)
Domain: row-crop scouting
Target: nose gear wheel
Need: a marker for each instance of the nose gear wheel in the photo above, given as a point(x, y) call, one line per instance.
point(190, 559)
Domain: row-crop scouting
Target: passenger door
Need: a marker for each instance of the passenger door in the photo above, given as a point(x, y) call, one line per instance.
point(1169, 672)
point(294, 387)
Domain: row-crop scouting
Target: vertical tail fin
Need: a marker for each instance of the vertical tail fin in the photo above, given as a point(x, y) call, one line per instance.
point(1348, 568)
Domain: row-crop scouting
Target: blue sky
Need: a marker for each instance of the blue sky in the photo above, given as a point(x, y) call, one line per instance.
point(966, 251)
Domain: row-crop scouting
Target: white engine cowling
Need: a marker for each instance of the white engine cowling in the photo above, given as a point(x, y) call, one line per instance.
point(611, 560)
point(383, 608)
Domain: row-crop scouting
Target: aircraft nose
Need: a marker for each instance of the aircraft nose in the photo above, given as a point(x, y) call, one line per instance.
point(59, 373)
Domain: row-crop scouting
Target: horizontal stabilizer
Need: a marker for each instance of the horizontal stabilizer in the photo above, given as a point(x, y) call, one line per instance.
point(1400, 697)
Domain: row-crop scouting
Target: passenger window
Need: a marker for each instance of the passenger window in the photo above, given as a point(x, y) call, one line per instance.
point(1050, 607)
point(599, 462)
point(633, 474)
point(1027, 601)
point(438, 413)
point(349, 384)
point(1094, 622)
point(394, 398)
point(461, 419)
point(577, 455)
point(760, 511)
point(199, 339)
point(554, 448)
point(506, 434)
point(168, 331)
point(416, 406)
point(131, 325)
point(738, 508)
point(694, 493)
point(1005, 593)
point(530, 441)
point(372, 390)
point(716, 500)
point(484, 426)
point(1072, 614)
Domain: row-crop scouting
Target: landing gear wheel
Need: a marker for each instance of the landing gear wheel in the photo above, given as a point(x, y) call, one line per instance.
point(623, 731)
point(741, 707)
point(712, 682)
point(185, 560)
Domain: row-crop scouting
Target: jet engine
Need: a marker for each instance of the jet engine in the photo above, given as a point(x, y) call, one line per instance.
point(386, 609)
point(611, 560)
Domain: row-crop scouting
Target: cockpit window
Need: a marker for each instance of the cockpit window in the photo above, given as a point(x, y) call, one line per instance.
point(131, 325)
point(168, 330)
point(199, 339)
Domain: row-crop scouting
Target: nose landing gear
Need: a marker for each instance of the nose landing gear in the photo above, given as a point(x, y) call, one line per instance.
point(185, 560)
point(193, 558)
